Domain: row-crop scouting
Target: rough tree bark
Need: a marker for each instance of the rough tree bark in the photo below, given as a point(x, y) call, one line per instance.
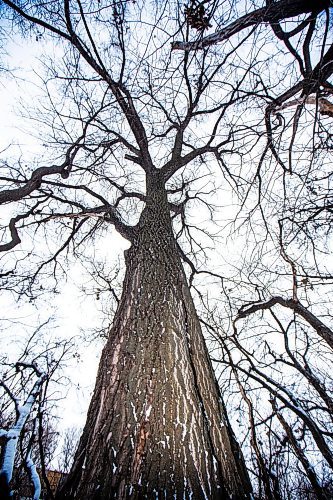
point(156, 426)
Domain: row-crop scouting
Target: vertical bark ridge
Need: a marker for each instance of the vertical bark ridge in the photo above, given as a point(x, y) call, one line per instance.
point(156, 426)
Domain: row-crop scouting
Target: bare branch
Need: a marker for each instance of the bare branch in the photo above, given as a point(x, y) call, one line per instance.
point(322, 330)
point(271, 13)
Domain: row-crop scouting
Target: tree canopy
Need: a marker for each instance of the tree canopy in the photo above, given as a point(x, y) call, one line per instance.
point(229, 105)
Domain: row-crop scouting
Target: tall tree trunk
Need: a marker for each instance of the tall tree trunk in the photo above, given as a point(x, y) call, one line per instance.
point(156, 426)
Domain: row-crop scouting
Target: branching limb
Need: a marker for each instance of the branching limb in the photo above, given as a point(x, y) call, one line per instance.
point(16, 240)
point(171, 167)
point(271, 13)
point(94, 60)
point(309, 470)
point(34, 183)
point(294, 305)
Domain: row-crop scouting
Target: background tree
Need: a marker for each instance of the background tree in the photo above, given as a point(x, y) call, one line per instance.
point(27, 400)
point(139, 135)
point(70, 442)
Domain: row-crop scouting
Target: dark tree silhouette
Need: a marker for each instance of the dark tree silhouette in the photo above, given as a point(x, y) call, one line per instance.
point(135, 130)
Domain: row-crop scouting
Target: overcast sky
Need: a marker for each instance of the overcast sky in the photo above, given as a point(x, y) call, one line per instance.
point(71, 310)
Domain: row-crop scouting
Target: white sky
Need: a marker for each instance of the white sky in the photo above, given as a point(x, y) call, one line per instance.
point(72, 311)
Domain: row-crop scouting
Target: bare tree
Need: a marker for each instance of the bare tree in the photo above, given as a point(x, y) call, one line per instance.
point(27, 437)
point(11, 436)
point(136, 135)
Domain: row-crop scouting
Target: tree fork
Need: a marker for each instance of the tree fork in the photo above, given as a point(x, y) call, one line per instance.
point(156, 425)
